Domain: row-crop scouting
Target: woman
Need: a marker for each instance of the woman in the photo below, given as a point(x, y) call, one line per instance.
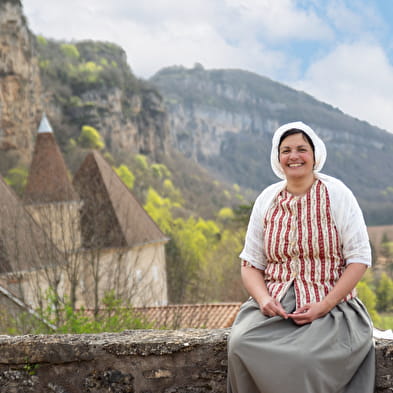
point(303, 330)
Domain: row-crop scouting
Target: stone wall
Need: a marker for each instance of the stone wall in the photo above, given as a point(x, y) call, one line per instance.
point(140, 361)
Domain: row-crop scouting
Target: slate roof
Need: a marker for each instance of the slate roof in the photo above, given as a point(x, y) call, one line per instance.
point(23, 243)
point(111, 216)
point(182, 316)
point(48, 179)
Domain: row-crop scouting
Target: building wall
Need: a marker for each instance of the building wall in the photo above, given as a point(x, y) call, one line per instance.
point(61, 222)
point(137, 275)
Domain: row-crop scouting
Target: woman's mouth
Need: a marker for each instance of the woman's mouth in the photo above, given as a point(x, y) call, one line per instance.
point(295, 165)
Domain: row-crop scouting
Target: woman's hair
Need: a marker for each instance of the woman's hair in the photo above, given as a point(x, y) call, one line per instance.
point(296, 131)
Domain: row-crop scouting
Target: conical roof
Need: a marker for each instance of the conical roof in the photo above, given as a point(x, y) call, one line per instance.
point(48, 179)
point(111, 216)
point(23, 243)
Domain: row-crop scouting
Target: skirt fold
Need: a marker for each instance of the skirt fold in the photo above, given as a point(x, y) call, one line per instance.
point(333, 354)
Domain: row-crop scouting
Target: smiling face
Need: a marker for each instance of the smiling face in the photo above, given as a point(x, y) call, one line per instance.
point(296, 157)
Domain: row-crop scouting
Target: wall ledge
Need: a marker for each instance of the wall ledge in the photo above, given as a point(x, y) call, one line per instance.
point(145, 361)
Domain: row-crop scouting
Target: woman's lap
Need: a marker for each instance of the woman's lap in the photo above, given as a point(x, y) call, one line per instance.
point(277, 355)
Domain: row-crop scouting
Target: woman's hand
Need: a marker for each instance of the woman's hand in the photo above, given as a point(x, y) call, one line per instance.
point(272, 307)
point(309, 312)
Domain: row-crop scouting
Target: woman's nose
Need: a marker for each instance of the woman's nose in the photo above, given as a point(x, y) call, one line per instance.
point(293, 154)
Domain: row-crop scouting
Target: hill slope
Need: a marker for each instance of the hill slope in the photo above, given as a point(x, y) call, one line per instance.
point(224, 120)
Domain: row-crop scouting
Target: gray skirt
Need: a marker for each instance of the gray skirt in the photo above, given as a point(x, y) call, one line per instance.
point(333, 354)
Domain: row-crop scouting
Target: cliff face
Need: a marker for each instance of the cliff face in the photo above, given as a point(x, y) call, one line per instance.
point(224, 120)
point(90, 83)
point(136, 123)
point(20, 87)
point(204, 110)
point(95, 87)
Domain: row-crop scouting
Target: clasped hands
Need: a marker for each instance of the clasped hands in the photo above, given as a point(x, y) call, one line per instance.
point(305, 314)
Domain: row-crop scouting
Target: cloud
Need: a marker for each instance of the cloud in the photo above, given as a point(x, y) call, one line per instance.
point(282, 20)
point(328, 49)
point(166, 34)
point(357, 78)
point(354, 18)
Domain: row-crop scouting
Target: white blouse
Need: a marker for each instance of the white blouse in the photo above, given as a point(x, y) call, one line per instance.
point(346, 214)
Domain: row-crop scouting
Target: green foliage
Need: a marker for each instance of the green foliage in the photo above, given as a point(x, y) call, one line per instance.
point(242, 213)
point(385, 293)
point(141, 162)
point(160, 210)
point(126, 176)
point(160, 171)
point(44, 64)
point(89, 71)
point(31, 368)
point(226, 214)
point(17, 178)
point(75, 101)
point(170, 191)
point(90, 138)
point(70, 51)
point(41, 40)
point(386, 322)
point(114, 316)
point(387, 249)
point(108, 156)
point(368, 297)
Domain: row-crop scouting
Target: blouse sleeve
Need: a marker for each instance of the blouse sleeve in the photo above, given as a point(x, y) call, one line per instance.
point(352, 228)
point(356, 244)
point(253, 247)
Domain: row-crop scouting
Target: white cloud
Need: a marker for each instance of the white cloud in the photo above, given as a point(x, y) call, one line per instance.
point(170, 33)
point(357, 78)
point(263, 36)
point(354, 17)
point(281, 20)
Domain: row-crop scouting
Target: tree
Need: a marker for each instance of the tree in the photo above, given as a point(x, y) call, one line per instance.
point(90, 138)
point(70, 50)
point(16, 178)
point(126, 176)
point(385, 293)
point(368, 297)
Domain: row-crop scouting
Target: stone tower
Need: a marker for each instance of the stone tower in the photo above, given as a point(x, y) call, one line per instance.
point(49, 195)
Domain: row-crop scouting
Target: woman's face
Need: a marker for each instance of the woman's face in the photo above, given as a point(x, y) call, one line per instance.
point(296, 156)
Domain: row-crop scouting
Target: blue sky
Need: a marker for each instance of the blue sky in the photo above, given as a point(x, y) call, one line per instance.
point(339, 51)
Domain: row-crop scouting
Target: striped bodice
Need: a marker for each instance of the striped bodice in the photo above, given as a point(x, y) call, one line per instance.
point(302, 246)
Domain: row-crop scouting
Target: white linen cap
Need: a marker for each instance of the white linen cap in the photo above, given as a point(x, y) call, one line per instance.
point(319, 147)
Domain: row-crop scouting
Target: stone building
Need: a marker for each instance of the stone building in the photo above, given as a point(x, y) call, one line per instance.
point(93, 235)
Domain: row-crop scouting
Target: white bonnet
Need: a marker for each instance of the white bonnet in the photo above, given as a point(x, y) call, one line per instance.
point(319, 146)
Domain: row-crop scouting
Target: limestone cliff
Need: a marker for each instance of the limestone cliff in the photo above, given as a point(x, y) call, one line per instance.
point(92, 85)
point(224, 120)
point(20, 87)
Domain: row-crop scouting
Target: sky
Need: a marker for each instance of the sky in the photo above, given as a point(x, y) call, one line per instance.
point(339, 51)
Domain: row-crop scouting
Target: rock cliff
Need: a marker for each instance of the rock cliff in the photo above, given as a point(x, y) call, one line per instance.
point(224, 120)
point(90, 83)
point(20, 86)
point(95, 88)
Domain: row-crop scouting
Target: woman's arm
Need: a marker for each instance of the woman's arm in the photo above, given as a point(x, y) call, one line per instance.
point(254, 282)
point(351, 276)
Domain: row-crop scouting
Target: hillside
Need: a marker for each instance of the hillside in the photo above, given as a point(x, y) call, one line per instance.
point(204, 124)
point(89, 83)
point(224, 120)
